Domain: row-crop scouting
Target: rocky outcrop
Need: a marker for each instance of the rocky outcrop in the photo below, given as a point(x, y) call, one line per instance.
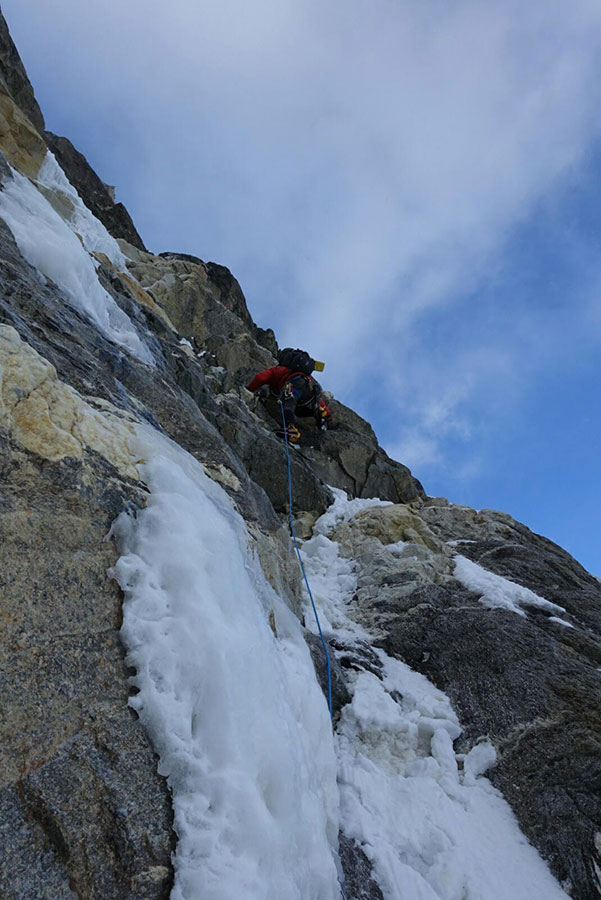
point(84, 812)
point(14, 76)
point(507, 547)
point(205, 304)
point(97, 196)
point(22, 145)
point(529, 683)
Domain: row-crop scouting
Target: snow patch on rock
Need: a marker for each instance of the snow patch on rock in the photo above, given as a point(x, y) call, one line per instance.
point(432, 829)
point(497, 592)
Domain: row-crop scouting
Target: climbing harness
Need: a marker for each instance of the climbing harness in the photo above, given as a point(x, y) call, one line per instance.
point(296, 547)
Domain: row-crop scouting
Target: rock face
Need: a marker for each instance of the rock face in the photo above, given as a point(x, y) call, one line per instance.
point(85, 812)
point(97, 196)
point(530, 683)
point(15, 78)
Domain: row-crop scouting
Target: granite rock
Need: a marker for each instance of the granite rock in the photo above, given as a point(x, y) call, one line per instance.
point(86, 813)
point(528, 683)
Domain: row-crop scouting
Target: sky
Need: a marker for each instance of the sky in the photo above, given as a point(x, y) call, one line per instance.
point(409, 189)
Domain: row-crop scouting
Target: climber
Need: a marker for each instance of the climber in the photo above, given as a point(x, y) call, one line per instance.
point(298, 393)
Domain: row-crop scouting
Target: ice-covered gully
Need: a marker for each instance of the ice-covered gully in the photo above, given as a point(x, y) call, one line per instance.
point(261, 787)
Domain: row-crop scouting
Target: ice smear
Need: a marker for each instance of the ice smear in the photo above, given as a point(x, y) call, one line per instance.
point(560, 622)
point(333, 580)
point(433, 830)
point(82, 221)
point(234, 712)
point(343, 509)
point(497, 592)
point(52, 247)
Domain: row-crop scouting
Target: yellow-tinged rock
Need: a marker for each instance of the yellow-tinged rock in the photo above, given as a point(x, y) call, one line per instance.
point(144, 298)
point(398, 522)
point(50, 418)
point(22, 145)
point(59, 202)
point(224, 476)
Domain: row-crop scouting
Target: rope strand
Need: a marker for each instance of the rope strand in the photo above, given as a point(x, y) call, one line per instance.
point(296, 547)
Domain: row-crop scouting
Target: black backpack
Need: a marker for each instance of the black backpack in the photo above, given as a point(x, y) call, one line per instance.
point(297, 360)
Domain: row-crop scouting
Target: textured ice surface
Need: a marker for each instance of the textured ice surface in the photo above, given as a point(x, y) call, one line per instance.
point(234, 712)
point(51, 245)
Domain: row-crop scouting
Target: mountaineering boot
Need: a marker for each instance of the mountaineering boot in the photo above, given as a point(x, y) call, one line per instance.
point(291, 432)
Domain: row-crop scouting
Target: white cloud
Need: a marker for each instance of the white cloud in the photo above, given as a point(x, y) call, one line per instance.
point(416, 450)
point(358, 165)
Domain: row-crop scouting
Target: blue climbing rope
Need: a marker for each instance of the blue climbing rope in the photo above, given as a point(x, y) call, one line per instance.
point(300, 560)
point(296, 547)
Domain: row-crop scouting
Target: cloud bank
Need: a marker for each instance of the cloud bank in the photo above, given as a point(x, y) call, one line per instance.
point(362, 167)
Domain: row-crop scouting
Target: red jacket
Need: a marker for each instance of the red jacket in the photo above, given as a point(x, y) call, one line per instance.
point(276, 378)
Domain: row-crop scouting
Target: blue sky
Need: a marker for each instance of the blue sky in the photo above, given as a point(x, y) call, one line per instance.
point(420, 178)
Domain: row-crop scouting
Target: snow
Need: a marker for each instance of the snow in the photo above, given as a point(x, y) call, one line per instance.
point(332, 579)
point(497, 592)
point(397, 548)
point(560, 622)
point(234, 712)
point(343, 509)
point(52, 246)
point(432, 828)
point(478, 761)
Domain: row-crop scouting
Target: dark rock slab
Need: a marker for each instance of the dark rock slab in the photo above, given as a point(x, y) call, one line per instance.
point(87, 789)
point(93, 191)
point(537, 563)
point(517, 681)
point(358, 881)
point(340, 692)
point(31, 867)
point(264, 457)
point(87, 813)
point(506, 547)
point(347, 455)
